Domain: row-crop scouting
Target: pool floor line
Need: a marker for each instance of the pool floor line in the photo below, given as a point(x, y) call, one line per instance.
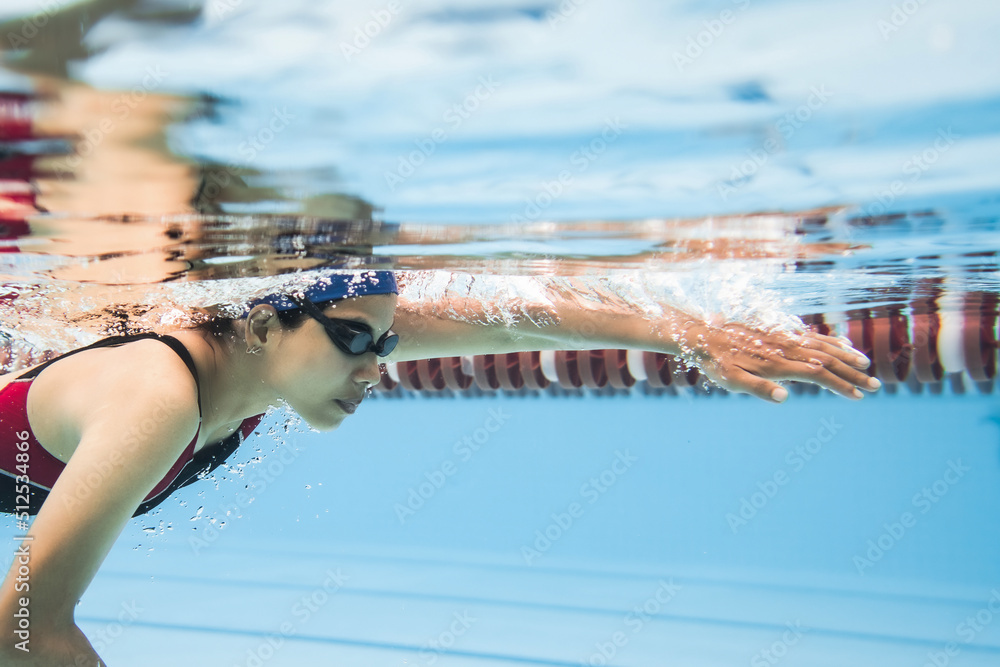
point(657, 618)
point(595, 573)
point(390, 646)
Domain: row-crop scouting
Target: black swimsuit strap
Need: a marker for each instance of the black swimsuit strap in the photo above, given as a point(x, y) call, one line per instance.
point(203, 463)
point(115, 341)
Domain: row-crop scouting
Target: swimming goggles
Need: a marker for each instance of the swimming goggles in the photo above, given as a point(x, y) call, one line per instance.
point(349, 336)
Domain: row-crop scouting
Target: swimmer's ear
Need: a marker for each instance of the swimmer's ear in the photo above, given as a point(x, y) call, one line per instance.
point(262, 321)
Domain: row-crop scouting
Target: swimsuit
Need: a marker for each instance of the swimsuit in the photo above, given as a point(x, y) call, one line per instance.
point(43, 468)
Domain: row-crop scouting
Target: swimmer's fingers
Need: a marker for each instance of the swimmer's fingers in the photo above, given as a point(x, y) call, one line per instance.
point(833, 367)
point(746, 360)
point(838, 347)
point(832, 374)
point(752, 362)
point(808, 359)
point(744, 382)
point(758, 377)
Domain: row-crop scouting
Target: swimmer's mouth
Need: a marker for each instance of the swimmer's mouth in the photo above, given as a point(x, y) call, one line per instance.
point(348, 406)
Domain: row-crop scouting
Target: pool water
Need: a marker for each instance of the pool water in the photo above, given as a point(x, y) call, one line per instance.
point(778, 163)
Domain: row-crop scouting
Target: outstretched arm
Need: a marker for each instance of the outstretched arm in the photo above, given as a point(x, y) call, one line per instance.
point(113, 468)
point(736, 357)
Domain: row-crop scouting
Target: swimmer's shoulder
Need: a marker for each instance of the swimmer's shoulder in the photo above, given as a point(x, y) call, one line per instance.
point(68, 394)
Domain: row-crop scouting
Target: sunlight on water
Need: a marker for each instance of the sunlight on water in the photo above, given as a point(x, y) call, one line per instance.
point(762, 269)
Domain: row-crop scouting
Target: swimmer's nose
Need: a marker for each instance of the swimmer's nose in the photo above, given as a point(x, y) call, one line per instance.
point(369, 372)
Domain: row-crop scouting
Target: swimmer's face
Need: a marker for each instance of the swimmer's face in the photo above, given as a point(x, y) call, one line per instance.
point(315, 377)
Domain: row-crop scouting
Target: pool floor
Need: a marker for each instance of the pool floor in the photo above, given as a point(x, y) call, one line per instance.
point(247, 607)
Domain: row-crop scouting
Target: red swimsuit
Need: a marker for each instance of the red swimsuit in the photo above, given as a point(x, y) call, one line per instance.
point(40, 469)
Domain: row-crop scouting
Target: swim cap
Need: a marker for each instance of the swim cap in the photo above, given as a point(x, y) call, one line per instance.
point(331, 285)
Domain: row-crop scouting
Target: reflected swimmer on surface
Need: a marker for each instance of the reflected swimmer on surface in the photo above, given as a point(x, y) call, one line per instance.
point(96, 436)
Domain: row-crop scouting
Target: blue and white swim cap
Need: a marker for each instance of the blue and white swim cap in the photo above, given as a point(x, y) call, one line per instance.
point(332, 285)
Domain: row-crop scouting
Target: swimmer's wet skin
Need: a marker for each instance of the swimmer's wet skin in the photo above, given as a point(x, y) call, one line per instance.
point(317, 353)
point(45, 468)
point(741, 359)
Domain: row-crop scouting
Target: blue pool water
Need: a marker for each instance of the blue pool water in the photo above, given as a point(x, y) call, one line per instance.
point(634, 142)
point(802, 559)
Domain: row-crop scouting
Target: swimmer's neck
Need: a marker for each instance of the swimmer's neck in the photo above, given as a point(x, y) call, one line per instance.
point(232, 382)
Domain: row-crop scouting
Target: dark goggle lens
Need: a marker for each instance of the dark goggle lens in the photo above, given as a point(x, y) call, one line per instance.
point(387, 344)
point(347, 337)
point(362, 341)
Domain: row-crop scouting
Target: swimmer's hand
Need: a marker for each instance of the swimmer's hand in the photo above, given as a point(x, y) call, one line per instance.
point(746, 360)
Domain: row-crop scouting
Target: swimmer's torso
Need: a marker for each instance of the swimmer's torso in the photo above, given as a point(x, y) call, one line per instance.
point(42, 410)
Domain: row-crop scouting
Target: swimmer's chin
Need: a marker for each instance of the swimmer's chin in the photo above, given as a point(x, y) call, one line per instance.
point(324, 420)
point(323, 425)
point(326, 423)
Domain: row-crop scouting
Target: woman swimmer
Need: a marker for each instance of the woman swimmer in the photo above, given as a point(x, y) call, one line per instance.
point(73, 451)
